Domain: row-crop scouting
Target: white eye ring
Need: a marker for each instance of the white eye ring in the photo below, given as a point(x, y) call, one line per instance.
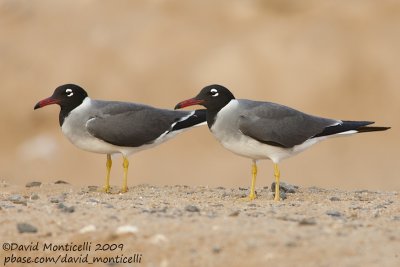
point(69, 92)
point(214, 92)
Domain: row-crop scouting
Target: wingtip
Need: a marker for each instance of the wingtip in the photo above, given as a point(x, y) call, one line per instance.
point(372, 129)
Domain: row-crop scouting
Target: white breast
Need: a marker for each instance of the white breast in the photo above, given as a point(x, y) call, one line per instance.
point(74, 128)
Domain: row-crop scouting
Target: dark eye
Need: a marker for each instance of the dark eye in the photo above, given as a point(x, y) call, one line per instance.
point(69, 92)
point(214, 92)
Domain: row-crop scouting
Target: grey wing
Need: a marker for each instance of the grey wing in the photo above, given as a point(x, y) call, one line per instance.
point(132, 126)
point(279, 125)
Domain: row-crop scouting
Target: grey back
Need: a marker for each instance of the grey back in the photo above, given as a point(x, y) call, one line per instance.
point(279, 125)
point(130, 124)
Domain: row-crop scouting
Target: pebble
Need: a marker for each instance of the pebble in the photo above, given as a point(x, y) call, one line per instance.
point(256, 214)
point(159, 239)
point(127, 229)
point(287, 188)
point(66, 209)
point(291, 244)
point(155, 210)
point(314, 189)
point(26, 228)
point(333, 213)
point(308, 221)
point(57, 199)
point(192, 208)
point(92, 188)
point(17, 199)
point(363, 198)
point(33, 184)
point(216, 249)
point(286, 218)
point(361, 191)
point(234, 213)
point(34, 197)
point(87, 229)
point(60, 182)
point(334, 199)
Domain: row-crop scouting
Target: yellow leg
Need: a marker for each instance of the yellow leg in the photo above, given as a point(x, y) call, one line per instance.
point(252, 194)
point(125, 164)
point(277, 174)
point(106, 187)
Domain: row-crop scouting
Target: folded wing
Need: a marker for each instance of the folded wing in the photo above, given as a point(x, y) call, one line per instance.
point(279, 125)
point(132, 125)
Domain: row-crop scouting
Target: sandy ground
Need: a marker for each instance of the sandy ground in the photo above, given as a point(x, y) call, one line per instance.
point(202, 226)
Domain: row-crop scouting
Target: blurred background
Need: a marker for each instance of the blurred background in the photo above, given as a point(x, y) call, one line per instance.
point(338, 59)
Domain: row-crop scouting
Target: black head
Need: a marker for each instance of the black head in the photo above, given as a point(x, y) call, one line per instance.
point(213, 97)
point(67, 96)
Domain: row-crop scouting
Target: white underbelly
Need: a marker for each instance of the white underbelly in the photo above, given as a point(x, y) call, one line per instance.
point(251, 148)
point(87, 142)
point(92, 144)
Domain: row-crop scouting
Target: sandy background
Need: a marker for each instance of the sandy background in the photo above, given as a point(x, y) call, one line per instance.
point(175, 225)
point(337, 59)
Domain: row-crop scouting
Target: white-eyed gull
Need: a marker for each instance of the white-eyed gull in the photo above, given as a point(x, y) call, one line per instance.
point(110, 127)
point(265, 130)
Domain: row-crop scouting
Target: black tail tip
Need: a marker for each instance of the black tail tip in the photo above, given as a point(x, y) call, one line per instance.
point(372, 129)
